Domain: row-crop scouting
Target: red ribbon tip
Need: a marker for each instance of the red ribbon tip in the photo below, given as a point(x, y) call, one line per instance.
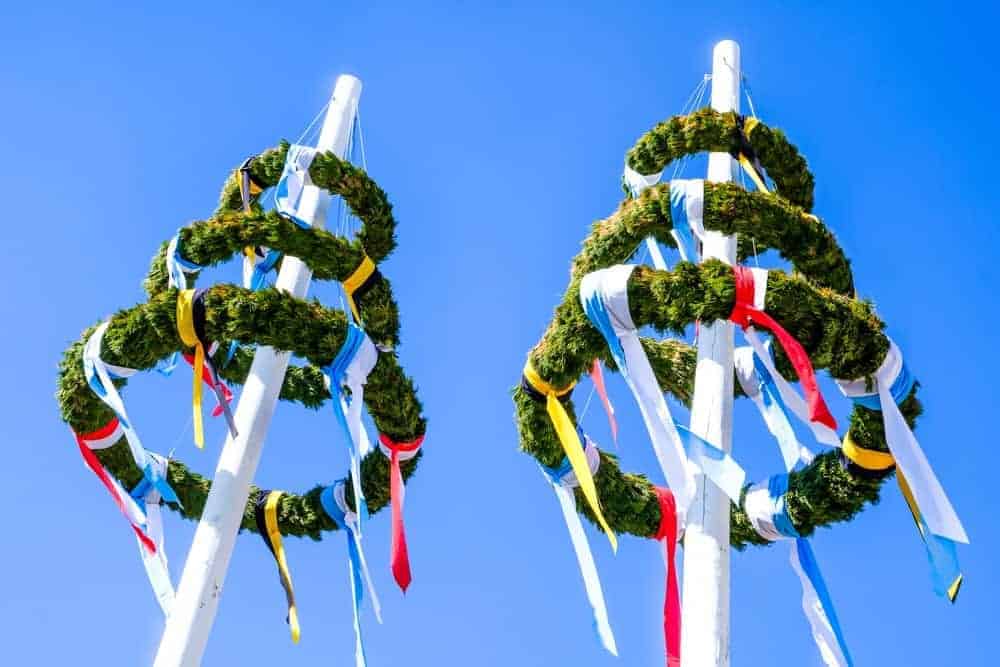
point(597, 377)
point(745, 314)
point(399, 554)
point(667, 534)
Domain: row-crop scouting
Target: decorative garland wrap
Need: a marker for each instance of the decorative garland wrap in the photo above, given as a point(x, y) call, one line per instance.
point(137, 338)
point(815, 306)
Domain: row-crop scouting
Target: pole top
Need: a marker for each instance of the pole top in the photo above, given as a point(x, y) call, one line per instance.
point(346, 87)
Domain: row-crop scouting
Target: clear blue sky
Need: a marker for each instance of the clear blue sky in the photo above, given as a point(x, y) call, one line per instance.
point(499, 135)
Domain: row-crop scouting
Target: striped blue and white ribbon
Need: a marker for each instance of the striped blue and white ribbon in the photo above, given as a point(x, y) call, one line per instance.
point(765, 508)
point(687, 204)
point(148, 498)
point(355, 360)
point(893, 384)
point(563, 482)
point(100, 376)
point(759, 385)
point(178, 268)
point(293, 182)
point(604, 296)
point(334, 504)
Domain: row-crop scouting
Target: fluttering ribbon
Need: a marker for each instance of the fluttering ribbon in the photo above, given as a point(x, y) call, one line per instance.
point(745, 153)
point(335, 505)
point(604, 296)
point(765, 508)
point(666, 534)
point(687, 206)
point(148, 498)
point(358, 283)
point(540, 390)
point(178, 268)
point(354, 361)
point(748, 309)
point(191, 328)
point(266, 516)
point(893, 384)
point(597, 377)
point(564, 480)
point(399, 554)
point(715, 464)
point(100, 377)
point(294, 179)
point(759, 385)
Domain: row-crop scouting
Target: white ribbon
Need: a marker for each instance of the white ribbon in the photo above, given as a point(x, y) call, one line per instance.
point(931, 498)
point(687, 208)
point(611, 285)
point(294, 179)
point(351, 518)
point(156, 564)
point(563, 487)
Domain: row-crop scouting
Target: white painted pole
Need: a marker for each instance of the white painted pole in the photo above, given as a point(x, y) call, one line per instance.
point(705, 631)
point(190, 621)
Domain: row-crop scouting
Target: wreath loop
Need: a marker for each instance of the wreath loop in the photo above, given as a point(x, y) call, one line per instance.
point(139, 337)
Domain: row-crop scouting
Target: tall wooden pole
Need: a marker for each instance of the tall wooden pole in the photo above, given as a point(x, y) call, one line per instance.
point(705, 631)
point(190, 621)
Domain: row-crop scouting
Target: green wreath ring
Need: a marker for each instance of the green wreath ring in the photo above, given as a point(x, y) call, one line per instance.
point(815, 304)
point(138, 337)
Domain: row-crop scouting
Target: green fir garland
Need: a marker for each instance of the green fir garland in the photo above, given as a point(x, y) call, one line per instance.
point(140, 336)
point(816, 304)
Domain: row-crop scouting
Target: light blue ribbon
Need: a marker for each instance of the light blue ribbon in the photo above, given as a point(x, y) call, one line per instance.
point(337, 371)
point(597, 313)
point(151, 479)
point(287, 199)
point(682, 226)
point(900, 389)
point(333, 510)
point(714, 463)
point(776, 416)
point(258, 280)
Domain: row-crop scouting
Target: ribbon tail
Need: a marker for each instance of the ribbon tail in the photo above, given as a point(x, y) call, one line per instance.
point(400, 555)
point(942, 554)
point(573, 449)
point(751, 171)
point(588, 569)
point(672, 599)
point(656, 255)
point(823, 432)
point(199, 365)
point(935, 508)
point(597, 376)
point(156, 564)
point(714, 463)
point(818, 607)
point(354, 570)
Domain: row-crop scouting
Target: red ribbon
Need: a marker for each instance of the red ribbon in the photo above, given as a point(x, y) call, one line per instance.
point(102, 474)
point(206, 376)
point(667, 534)
point(745, 314)
point(597, 376)
point(400, 557)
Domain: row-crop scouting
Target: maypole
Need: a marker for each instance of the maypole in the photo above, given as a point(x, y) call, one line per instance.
point(190, 622)
point(705, 633)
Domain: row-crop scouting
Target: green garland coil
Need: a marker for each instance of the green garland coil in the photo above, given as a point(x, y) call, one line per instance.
point(816, 304)
point(140, 336)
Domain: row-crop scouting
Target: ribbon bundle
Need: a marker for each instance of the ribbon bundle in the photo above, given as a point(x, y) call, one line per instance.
point(933, 513)
point(335, 505)
point(765, 507)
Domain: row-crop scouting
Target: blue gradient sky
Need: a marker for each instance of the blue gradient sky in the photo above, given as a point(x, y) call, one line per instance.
point(498, 134)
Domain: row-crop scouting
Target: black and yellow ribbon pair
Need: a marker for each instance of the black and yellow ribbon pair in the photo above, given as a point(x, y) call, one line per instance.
point(190, 326)
point(266, 516)
point(539, 390)
point(250, 187)
point(745, 154)
point(877, 462)
point(359, 282)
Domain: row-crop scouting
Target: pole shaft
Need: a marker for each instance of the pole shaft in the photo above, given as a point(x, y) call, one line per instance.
point(705, 631)
point(190, 621)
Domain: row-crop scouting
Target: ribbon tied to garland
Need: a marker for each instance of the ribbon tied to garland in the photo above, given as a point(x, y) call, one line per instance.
point(935, 517)
point(604, 297)
point(266, 517)
point(334, 504)
point(399, 554)
point(350, 368)
point(564, 480)
point(148, 497)
point(666, 534)
point(191, 329)
point(748, 310)
point(765, 508)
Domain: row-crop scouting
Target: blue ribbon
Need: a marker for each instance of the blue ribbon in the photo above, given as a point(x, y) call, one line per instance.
point(714, 463)
point(336, 371)
point(900, 389)
point(333, 510)
point(682, 226)
point(257, 282)
point(282, 196)
point(779, 423)
point(597, 313)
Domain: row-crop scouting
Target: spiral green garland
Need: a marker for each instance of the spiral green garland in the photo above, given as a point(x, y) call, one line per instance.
point(140, 336)
point(816, 304)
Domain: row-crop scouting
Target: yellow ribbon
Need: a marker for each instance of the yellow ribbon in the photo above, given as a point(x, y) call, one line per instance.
point(356, 280)
point(185, 327)
point(870, 459)
point(748, 127)
point(272, 536)
point(570, 441)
